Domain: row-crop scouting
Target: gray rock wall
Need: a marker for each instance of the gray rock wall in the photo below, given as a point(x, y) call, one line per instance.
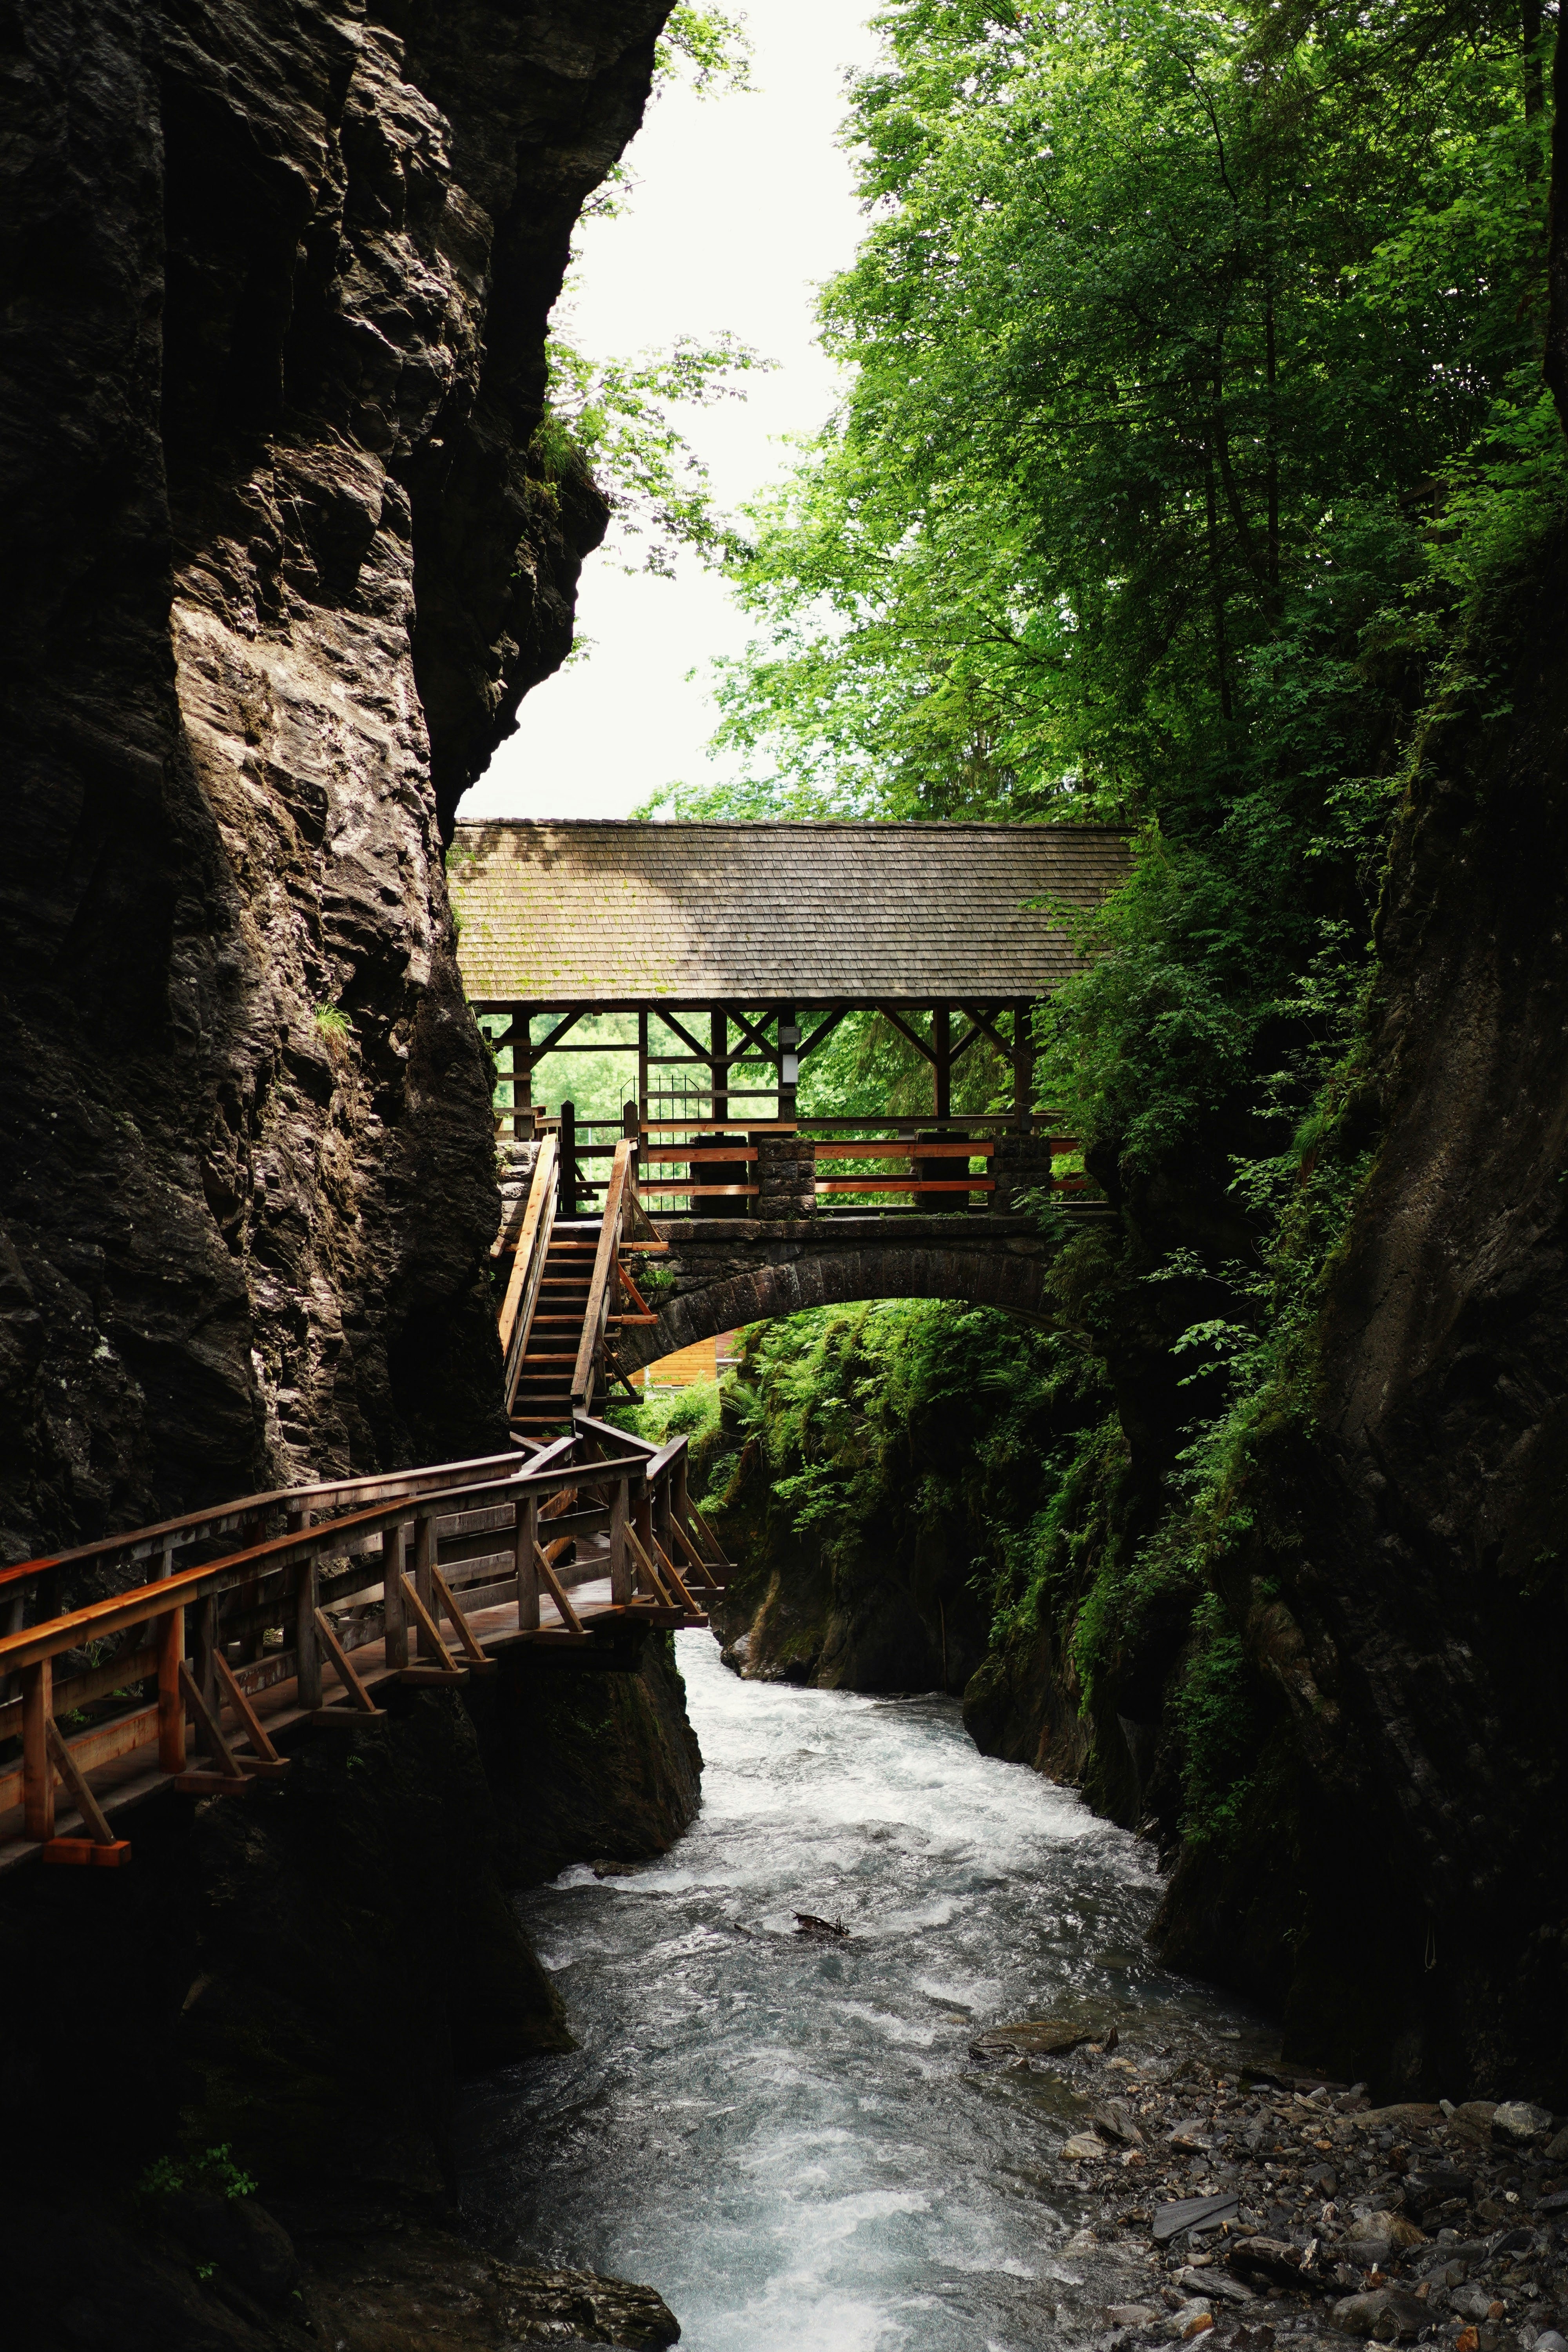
point(279, 570)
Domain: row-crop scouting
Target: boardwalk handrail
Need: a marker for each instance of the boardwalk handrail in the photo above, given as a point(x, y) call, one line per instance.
point(462, 1546)
point(212, 1519)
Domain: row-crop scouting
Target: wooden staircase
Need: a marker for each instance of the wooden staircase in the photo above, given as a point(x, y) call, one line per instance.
point(543, 1401)
point(568, 1290)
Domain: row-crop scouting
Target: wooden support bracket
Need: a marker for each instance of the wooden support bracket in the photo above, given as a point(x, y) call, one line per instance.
point(557, 1591)
point(269, 1764)
point(206, 1723)
point(363, 1702)
point(65, 1765)
point(476, 1656)
point(431, 1631)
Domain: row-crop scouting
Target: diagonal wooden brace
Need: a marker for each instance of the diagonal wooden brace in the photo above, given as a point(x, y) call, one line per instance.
point(65, 1765)
point(635, 1540)
point(464, 1630)
point(239, 1699)
point(429, 1625)
point(671, 1574)
point(213, 1740)
point(340, 1657)
point(557, 1591)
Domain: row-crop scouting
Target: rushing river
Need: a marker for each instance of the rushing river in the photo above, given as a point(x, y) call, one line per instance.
point(789, 2139)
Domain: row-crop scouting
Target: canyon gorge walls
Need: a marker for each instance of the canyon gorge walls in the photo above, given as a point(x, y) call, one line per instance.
point(280, 568)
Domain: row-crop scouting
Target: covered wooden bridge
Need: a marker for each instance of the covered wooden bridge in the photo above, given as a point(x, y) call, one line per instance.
point(734, 952)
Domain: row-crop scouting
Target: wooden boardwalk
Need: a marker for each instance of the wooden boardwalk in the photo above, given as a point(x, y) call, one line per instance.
point(307, 1606)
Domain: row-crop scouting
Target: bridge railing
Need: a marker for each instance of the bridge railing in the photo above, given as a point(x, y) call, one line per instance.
point(883, 1163)
point(424, 1572)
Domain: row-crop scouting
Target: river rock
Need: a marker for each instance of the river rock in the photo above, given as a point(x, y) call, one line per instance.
point(1085, 2148)
point(1272, 2259)
point(1477, 2302)
point(1214, 2282)
point(1435, 2184)
point(1517, 2123)
point(1386, 2230)
point(1114, 2121)
point(1387, 2313)
point(1132, 2315)
point(1035, 2037)
point(1558, 2150)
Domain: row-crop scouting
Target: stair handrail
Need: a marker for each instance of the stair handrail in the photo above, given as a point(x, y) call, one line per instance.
point(521, 1300)
point(599, 1290)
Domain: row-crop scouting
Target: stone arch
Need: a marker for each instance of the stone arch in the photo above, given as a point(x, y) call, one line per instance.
point(708, 1301)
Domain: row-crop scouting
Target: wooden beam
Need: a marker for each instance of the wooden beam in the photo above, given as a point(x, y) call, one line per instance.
point(211, 1731)
point(569, 1617)
point(38, 1777)
point(820, 1034)
point(87, 1804)
point(701, 1052)
point(903, 1027)
point(941, 1061)
point(465, 1632)
point(170, 1643)
point(239, 1699)
point(430, 1631)
point(346, 1674)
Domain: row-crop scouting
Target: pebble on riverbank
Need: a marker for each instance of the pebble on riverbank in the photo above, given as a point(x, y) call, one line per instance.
point(1254, 2210)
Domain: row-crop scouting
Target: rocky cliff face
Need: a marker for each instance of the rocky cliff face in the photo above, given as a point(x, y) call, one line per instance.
point(278, 576)
point(1402, 1596)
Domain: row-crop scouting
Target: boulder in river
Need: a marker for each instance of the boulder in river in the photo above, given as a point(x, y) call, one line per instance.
point(1035, 2037)
point(1518, 2123)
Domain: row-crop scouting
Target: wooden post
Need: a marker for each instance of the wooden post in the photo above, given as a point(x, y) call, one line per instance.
point(942, 1062)
point(423, 1583)
point(568, 1161)
point(525, 1548)
point(642, 1517)
point(204, 1644)
point(1023, 1063)
point(170, 1636)
point(620, 1565)
point(521, 1070)
point(307, 1641)
point(719, 1065)
point(394, 1617)
point(789, 1061)
point(38, 1765)
point(642, 1059)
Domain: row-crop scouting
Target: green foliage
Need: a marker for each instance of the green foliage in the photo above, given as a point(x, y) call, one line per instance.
point(1216, 1711)
point(609, 421)
point(212, 2171)
point(708, 42)
point(850, 1422)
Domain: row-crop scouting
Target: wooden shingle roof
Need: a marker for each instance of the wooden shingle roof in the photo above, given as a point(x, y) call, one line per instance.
point(591, 912)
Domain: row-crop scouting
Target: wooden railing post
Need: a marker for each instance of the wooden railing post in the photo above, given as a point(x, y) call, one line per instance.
point(204, 1644)
point(642, 1519)
point(307, 1641)
point(394, 1617)
point(525, 1548)
point(37, 1767)
point(568, 1163)
point(423, 1583)
point(621, 1585)
point(170, 1643)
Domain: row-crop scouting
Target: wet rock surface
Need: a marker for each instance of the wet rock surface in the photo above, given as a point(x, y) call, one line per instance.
point(1266, 2208)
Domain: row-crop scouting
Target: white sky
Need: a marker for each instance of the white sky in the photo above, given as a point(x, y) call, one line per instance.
point(743, 206)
